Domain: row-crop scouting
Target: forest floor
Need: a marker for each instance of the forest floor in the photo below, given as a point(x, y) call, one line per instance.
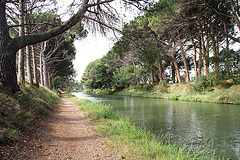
point(65, 134)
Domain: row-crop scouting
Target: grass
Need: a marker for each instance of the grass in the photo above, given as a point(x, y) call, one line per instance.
point(135, 142)
point(20, 111)
point(184, 92)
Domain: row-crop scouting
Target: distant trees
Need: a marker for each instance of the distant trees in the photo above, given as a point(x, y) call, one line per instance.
point(179, 41)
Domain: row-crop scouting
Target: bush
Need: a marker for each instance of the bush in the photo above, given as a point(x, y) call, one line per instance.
point(143, 87)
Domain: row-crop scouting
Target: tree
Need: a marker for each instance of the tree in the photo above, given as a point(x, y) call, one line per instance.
point(96, 11)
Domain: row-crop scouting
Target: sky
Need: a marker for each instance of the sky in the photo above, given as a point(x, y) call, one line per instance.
point(89, 49)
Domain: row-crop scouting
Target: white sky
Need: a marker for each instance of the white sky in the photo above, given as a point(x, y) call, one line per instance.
point(89, 49)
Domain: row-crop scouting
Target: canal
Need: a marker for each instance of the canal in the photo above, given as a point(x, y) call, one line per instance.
point(196, 125)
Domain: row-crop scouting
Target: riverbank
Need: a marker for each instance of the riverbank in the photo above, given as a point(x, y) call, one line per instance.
point(132, 141)
point(182, 92)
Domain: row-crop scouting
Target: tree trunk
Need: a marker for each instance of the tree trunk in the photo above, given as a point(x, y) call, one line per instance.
point(21, 59)
point(41, 59)
point(215, 55)
point(184, 60)
point(35, 70)
point(235, 16)
point(152, 74)
point(227, 48)
point(177, 69)
point(200, 60)
point(174, 61)
point(173, 72)
point(29, 55)
point(29, 65)
point(8, 76)
point(204, 54)
point(160, 68)
point(45, 71)
point(41, 68)
point(194, 57)
point(207, 56)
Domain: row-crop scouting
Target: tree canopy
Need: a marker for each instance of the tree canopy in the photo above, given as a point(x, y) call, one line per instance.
point(177, 41)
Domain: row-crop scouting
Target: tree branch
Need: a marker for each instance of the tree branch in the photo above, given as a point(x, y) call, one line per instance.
point(23, 41)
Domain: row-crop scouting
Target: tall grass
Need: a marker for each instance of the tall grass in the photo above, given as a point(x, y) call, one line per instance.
point(184, 92)
point(19, 112)
point(135, 142)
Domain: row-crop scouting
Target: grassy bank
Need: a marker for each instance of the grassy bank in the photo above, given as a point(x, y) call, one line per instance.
point(132, 141)
point(186, 92)
point(22, 110)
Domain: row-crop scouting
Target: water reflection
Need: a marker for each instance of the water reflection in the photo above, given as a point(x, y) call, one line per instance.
point(194, 124)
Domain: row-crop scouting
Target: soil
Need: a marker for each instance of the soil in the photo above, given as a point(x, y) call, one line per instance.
point(66, 134)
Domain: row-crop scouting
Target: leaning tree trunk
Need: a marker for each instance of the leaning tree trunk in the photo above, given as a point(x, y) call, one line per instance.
point(172, 56)
point(184, 60)
point(234, 13)
point(177, 68)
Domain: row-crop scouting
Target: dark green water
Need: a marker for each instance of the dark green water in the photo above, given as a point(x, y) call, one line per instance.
point(198, 125)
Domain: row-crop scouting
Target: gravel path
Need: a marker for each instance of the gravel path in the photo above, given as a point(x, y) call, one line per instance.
point(67, 134)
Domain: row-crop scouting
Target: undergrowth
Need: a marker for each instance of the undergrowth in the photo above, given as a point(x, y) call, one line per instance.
point(135, 142)
point(20, 111)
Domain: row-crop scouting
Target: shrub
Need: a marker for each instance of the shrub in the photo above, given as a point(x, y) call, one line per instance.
point(143, 87)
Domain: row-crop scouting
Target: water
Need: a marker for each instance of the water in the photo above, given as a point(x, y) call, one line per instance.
point(198, 125)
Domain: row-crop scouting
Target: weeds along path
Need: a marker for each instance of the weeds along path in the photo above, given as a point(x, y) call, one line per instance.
point(69, 135)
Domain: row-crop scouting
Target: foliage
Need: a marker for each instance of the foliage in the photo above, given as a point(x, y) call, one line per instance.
point(66, 84)
point(124, 76)
point(143, 87)
point(97, 75)
point(212, 80)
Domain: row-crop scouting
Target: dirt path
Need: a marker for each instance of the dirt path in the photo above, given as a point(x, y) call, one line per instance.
point(67, 135)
